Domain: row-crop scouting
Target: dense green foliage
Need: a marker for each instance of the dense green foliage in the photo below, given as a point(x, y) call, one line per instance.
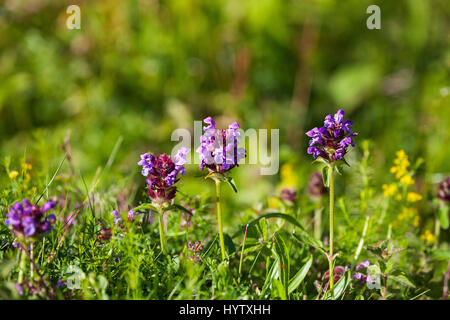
point(139, 69)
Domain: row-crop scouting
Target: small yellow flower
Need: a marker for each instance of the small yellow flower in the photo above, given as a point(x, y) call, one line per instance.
point(273, 202)
point(407, 180)
point(13, 174)
point(389, 189)
point(413, 197)
point(416, 221)
point(428, 237)
point(289, 178)
point(28, 166)
point(398, 197)
point(406, 213)
point(401, 164)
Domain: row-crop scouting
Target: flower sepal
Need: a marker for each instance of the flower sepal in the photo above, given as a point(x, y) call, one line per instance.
point(216, 176)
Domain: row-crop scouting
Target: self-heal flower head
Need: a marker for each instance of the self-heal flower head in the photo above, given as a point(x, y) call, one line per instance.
point(162, 173)
point(288, 194)
point(316, 187)
point(331, 141)
point(27, 220)
point(444, 190)
point(218, 150)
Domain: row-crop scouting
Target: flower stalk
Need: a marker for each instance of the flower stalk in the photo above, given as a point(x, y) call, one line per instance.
point(23, 259)
point(219, 217)
point(162, 237)
point(331, 253)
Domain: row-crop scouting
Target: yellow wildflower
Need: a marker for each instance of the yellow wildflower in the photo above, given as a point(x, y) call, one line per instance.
point(28, 167)
point(428, 237)
point(407, 213)
point(416, 221)
point(389, 189)
point(413, 197)
point(13, 174)
point(273, 202)
point(407, 180)
point(289, 178)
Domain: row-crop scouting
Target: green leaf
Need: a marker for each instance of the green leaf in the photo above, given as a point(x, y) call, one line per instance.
point(305, 238)
point(341, 285)
point(232, 184)
point(229, 244)
point(301, 274)
point(282, 254)
point(326, 176)
point(441, 254)
point(443, 217)
point(145, 206)
point(284, 216)
point(402, 279)
point(278, 290)
point(272, 274)
point(180, 208)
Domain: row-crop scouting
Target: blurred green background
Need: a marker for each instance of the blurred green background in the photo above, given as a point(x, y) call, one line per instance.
point(139, 69)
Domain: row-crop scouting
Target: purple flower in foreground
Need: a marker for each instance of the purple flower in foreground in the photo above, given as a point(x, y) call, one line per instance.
point(444, 190)
point(162, 173)
point(131, 215)
point(117, 217)
point(363, 265)
point(27, 220)
point(218, 150)
point(331, 141)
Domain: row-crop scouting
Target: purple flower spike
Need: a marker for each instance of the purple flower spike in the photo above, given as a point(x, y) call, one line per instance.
point(331, 141)
point(218, 150)
point(27, 221)
point(162, 173)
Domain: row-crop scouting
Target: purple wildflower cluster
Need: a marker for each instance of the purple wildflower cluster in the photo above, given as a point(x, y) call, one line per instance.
point(218, 150)
point(161, 173)
point(117, 218)
point(27, 220)
point(194, 250)
point(362, 277)
point(331, 141)
point(444, 190)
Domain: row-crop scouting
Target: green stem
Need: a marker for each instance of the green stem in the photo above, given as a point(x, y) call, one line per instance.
point(242, 252)
point(318, 222)
point(23, 259)
point(331, 257)
point(31, 258)
point(161, 230)
point(219, 218)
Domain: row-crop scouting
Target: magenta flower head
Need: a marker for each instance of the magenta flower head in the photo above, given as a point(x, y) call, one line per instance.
point(331, 141)
point(162, 173)
point(288, 194)
point(444, 190)
point(218, 150)
point(27, 220)
point(316, 188)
